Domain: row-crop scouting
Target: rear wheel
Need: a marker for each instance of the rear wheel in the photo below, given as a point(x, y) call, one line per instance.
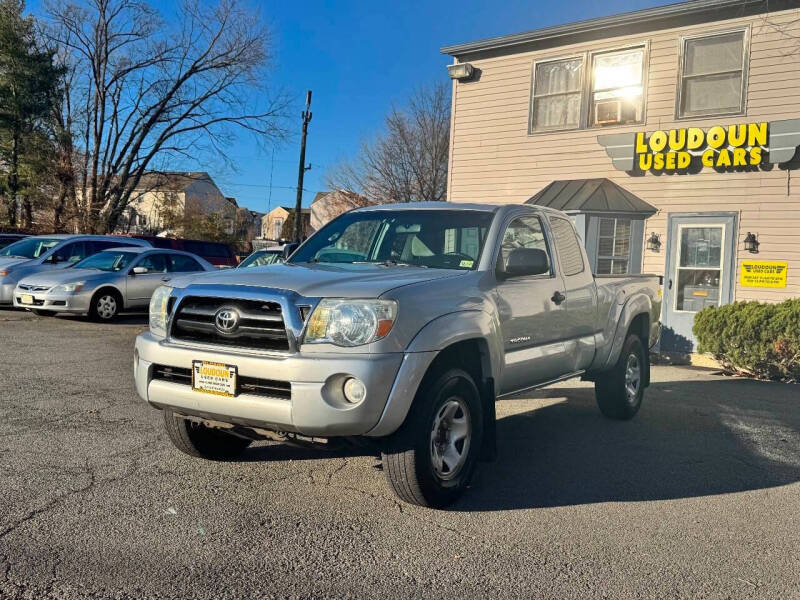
point(195, 439)
point(619, 391)
point(42, 313)
point(430, 459)
point(105, 306)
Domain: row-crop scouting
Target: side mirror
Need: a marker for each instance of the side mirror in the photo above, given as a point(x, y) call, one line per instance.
point(139, 270)
point(525, 261)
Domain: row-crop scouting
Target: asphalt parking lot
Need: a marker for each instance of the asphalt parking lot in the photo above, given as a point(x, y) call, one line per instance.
point(698, 497)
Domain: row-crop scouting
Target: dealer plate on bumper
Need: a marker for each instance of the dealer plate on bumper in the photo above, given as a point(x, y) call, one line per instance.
point(26, 299)
point(214, 378)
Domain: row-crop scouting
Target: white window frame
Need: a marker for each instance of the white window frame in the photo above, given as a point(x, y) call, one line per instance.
point(587, 82)
point(678, 266)
point(682, 41)
point(582, 90)
point(645, 47)
point(599, 257)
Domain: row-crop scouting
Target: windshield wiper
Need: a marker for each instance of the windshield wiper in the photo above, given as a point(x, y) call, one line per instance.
point(389, 262)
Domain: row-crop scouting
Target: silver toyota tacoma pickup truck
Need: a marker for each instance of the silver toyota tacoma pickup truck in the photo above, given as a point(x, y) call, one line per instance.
point(398, 326)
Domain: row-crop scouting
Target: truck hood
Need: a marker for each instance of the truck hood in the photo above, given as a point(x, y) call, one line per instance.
point(322, 280)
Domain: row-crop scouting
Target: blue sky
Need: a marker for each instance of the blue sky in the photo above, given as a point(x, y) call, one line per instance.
point(359, 57)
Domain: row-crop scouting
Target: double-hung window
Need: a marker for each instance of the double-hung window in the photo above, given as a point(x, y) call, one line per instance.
point(557, 94)
point(617, 87)
point(713, 75)
point(613, 246)
point(594, 89)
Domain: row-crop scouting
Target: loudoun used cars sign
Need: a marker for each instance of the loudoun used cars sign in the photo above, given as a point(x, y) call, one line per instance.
point(689, 149)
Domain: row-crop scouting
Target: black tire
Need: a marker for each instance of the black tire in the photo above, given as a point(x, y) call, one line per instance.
point(105, 305)
point(408, 455)
point(200, 441)
point(615, 399)
point(43, 313)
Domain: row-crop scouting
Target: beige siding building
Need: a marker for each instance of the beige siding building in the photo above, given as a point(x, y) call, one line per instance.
point(273, 222)
point(163, 200)
point(668, 134)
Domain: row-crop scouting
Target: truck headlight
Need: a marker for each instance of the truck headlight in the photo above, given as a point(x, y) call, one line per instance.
point(68, 288)
point(345, 322)
point(158, 310)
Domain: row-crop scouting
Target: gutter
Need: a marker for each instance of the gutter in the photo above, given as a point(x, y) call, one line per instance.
point(593, 26)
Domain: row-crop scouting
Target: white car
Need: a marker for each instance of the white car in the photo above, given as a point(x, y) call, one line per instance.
point(106, 283)
point(50, 252)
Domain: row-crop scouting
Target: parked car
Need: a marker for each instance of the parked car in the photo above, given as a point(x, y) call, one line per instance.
point(447, 308)
point(268, 256)
point(46, 252)
point(10, 238)
point(106, 283)
point(218, 254)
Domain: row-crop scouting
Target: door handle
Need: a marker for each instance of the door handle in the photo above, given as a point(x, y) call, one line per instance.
point(669, 286)
point(166, 278)
point(558, 297)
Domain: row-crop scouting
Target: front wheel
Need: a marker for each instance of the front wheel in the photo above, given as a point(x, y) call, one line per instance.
point(619, 391)
point(105, 306)
point(195, 439)
point(430, 459)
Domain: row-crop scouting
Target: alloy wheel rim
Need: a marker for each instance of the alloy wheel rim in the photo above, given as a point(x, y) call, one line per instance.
point(106, 307)
point(633, 377)
point(450, 438)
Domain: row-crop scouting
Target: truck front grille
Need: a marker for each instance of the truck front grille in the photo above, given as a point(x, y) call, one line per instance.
point(254, 386)
point(260, 324)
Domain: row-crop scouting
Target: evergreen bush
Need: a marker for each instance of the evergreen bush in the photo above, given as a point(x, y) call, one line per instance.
point(759, 339)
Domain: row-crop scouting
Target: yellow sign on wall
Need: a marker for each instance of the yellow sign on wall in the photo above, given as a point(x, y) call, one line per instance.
point(763, 274)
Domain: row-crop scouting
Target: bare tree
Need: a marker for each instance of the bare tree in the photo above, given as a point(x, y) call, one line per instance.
point(408, 161)
point(143, 91)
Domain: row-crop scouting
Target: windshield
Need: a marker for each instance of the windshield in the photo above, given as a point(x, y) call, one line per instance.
point(106, 261)
point(29, 247)
point(261, 258)
point(442, 239)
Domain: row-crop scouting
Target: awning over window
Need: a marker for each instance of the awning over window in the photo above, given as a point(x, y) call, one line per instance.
point(592, 196)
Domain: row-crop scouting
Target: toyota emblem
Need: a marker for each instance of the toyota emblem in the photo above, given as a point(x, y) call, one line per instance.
point(226, 320)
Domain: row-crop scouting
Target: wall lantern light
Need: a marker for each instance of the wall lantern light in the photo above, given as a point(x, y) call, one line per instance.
point(653, 242)
point(460, 71)
point(751, 243)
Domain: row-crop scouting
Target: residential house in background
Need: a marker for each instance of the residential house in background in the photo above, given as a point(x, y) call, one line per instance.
point(669, 134)
point(162, 201)
point(272, 222)
point(329, 205)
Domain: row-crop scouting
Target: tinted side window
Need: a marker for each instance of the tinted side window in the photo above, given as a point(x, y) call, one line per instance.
point(523, 232)
point(100, 245)
point(183, 264)
point(73, 252)
point(155, 263)
point(569, 248)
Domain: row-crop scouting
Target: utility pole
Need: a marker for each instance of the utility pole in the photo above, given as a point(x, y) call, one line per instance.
point(298, 221)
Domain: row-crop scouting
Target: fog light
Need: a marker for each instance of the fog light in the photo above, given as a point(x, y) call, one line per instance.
point(354, 390)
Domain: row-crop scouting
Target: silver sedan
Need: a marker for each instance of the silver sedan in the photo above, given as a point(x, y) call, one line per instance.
point(106, 283)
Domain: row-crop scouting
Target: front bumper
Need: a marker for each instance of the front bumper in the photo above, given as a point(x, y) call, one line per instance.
point(7, 293)
point(316, 407)
point(63, 303)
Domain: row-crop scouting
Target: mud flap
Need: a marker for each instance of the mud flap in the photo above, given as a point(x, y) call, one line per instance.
point(489, 446)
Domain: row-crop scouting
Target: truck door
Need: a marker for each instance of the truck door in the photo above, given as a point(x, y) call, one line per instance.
point(529, 312)
point(580, 304)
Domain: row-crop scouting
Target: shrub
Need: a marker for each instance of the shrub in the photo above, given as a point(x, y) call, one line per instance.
point(759, 339)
